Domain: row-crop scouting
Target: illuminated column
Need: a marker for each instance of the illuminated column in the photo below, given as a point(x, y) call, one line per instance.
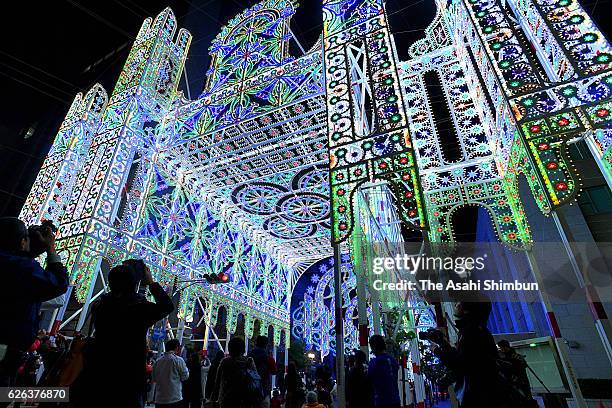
point(90, 289)
point(146, 87)
point(515, 84)
point(367, 130)
point(361, 268)
point(568, 41)
point(286, 362)
point(574, 52)
point(339, 326)
point(600, 148)
point(56, 180)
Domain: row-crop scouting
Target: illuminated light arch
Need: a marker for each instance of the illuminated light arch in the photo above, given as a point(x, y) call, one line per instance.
point(237, 179)
point(507, 229)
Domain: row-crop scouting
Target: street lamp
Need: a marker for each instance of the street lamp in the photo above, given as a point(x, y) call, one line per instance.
point(311, 355)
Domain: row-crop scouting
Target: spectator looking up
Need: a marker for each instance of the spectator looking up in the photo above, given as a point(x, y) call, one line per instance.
point(121, 318)
point(25, 285)
point(473, 359)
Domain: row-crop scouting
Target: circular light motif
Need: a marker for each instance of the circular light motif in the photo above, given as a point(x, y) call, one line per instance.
point(354, 154)
point(304, 207)
point(258, 198)
point(520, 71)
point(280, 227)
point(312, 178)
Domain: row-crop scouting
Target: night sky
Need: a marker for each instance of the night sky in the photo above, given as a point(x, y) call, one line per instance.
point(51, 50)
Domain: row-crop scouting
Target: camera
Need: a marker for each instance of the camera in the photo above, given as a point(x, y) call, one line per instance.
point(38, 246)
point(433, 335)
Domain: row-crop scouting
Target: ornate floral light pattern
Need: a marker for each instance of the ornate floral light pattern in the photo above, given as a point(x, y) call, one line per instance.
point(258, 174)
point(313, 316)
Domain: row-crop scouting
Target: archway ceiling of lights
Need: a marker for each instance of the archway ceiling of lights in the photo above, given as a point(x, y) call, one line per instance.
point(253, 146)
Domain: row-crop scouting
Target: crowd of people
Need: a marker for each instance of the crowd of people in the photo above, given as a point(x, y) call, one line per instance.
point(116, 369)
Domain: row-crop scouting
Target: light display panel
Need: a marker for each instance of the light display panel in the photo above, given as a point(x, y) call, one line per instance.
point(259, 174)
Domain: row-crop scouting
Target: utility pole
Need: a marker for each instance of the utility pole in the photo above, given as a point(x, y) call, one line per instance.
point(340, 385)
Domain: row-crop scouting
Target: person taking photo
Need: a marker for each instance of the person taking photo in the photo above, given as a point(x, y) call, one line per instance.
point(25, 285)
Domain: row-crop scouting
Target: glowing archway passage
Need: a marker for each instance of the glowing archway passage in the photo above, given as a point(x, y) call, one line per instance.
point(257, 175)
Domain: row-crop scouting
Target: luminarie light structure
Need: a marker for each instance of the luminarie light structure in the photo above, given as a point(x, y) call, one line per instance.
point(257, 175)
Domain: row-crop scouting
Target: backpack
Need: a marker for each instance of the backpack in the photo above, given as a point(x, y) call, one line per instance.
point(254, 393)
